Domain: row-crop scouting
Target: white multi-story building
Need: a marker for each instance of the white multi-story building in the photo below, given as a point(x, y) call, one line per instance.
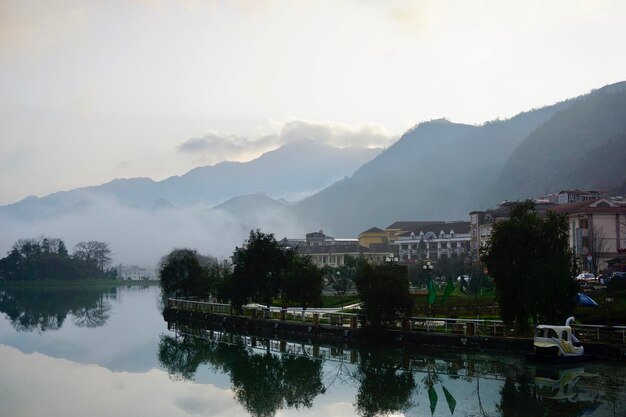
point(135, 273)
point(430, 240)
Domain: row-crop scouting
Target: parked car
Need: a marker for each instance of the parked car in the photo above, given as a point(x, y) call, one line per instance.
point(586, 276)
point(618, 275)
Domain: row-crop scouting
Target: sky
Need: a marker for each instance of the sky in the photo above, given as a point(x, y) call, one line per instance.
point(92, 91)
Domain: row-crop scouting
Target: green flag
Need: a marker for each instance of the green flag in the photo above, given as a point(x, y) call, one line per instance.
point(450, 399)
point(448, 290)
point(432, 397)
point(432, 292)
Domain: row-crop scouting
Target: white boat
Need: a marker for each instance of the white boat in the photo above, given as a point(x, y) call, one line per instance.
point(558, 343)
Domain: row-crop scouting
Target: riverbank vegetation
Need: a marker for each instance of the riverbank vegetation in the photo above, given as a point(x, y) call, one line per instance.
point(530, 278)
point(44, 259)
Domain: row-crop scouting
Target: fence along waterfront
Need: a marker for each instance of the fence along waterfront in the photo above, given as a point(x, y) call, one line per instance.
point(331, 317)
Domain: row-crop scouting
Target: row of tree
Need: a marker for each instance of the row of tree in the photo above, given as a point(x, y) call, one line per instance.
point(46, 258)
point(261, 271)
point(528, 258)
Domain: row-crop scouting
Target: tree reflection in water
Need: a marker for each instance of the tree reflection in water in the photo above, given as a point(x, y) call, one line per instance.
point(263, 382)
point(384, 388)
point(45, 309)
point(270, 375)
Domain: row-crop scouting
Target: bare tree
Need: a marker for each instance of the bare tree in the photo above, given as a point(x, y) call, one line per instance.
point(94, 252)
point(598, 245)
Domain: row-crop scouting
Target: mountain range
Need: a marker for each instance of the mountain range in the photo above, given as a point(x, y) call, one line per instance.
point(291, 171)
point(441, 170)
point(438, 170)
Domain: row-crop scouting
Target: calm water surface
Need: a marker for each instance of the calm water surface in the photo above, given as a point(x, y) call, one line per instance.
point(95, 352)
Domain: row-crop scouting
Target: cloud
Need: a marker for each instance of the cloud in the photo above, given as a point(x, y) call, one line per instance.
point(151, 393)
point(28, 25)
point(215, 147)
point(142, 237)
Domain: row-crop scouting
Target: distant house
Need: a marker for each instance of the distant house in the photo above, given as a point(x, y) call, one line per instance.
point(597, 232)
point(135, 273)
point(373, 235)
point(575, 196)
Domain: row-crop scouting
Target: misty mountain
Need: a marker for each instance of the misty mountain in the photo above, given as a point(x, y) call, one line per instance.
point(438, 170)
point(582, 146)
point(291, 171)
point(258, 211)
point(441, 170)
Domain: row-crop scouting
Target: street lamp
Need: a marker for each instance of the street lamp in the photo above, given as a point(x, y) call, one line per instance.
point(340, 292)
point(431, 289)
point(391, 259)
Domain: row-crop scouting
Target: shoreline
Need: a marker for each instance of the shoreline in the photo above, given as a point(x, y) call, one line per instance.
point(79, 283)
point(306, 332)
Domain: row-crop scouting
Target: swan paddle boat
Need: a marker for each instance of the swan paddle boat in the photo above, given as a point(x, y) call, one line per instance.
point(558, 344)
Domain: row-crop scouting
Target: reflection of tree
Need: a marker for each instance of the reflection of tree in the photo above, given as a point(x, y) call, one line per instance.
point(46, 309)
point(182, 355)
point(92, 316)
point(262, 382)
point(518, 399)
point(385, 387)
point(524, 398)
point(301, 391)
point(613, 388)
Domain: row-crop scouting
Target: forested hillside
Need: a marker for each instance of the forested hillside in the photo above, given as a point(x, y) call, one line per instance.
point(582, 146)
point(437, 171)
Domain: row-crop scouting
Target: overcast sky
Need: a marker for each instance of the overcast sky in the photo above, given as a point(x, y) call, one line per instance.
point(91, 91)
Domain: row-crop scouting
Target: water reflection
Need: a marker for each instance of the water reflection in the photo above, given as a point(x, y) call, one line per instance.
point(32, 309)
point(262, 381)
point(268, 375)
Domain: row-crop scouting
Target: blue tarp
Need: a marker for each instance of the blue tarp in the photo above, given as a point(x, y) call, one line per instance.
point(585, 300)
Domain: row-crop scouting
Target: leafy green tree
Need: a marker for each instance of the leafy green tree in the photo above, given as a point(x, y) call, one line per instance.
point(259, 269)
point(451, 266)
point(45, 258)
point(529, 259)
point(384, 291)
point(556, 288)
point(181, 274)
point(303, 281)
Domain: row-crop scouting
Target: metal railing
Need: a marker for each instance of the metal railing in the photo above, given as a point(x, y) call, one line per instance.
point(331, 317)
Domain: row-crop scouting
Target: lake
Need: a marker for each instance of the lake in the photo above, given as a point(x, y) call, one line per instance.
point(108, 352)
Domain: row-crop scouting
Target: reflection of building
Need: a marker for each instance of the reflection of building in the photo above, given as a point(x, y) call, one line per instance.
point(597, 230)
point(135, 273)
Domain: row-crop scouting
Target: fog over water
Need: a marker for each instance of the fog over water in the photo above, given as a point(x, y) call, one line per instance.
point(142, 237)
